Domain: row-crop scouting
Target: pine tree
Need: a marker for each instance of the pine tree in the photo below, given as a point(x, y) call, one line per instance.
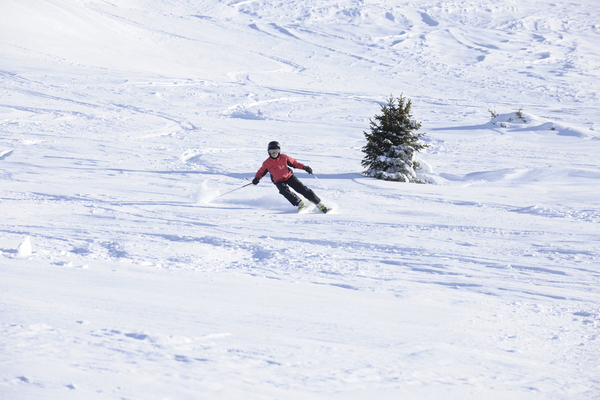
point(392, 143)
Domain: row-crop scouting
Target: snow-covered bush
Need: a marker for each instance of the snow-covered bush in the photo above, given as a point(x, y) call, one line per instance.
point(392, 144)
point(520, 121)
point(502, 120)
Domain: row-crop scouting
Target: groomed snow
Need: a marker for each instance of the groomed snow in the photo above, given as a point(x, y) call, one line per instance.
point(131, 268)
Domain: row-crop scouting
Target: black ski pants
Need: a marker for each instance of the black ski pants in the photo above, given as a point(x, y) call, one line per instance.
point(294, 183)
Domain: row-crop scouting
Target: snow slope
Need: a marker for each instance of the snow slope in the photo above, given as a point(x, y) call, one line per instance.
point(124, 275)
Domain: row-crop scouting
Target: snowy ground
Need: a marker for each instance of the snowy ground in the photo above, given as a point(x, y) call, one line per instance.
point(123, 276)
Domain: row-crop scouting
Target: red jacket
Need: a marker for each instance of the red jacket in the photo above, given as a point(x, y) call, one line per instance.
point(279, 168)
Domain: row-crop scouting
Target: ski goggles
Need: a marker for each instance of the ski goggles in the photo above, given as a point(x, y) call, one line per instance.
point(274, 151)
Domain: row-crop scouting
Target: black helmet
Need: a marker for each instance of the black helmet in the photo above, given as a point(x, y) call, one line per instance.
point(273, 145)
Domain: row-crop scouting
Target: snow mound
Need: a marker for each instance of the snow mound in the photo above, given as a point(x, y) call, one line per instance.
point(5, 153)
point(524, 122)
point(25, 249)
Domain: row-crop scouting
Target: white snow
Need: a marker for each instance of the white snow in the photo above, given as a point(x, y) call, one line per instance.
point(25, 249)
point(127, 270)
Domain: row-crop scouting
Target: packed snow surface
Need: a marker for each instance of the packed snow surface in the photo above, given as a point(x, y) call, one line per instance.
point(132, 268)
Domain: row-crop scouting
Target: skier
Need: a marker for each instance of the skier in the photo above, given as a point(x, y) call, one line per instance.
point(278, 165)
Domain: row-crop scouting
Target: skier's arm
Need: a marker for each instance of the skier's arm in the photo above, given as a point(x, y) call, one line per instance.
point(296, 164)
point(260, 173)
point(292, 162)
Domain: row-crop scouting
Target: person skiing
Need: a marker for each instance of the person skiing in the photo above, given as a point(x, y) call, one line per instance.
point(278, 165)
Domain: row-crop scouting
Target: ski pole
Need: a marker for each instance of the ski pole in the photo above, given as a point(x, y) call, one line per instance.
point(231, 191)
point(324, 187)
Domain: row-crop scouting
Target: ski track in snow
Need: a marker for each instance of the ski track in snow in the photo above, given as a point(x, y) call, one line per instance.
point(120, 127)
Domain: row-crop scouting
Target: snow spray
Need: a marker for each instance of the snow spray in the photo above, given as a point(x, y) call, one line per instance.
point(204, 194)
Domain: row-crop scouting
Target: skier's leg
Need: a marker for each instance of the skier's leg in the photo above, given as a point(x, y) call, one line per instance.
point(284, 189)
point(303, 190)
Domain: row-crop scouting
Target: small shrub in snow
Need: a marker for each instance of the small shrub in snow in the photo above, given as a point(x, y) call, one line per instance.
point(392, 144)
point(520, 115)
point(504, 119)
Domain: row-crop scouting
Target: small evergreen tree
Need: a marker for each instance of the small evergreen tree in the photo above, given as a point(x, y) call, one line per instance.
point(392, 144)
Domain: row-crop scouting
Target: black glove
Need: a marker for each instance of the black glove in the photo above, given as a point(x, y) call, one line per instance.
point(255, 181)
point(308, 169)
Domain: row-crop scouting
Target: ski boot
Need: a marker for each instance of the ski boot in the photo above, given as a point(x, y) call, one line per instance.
point(322, 207)
point(302, 206)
